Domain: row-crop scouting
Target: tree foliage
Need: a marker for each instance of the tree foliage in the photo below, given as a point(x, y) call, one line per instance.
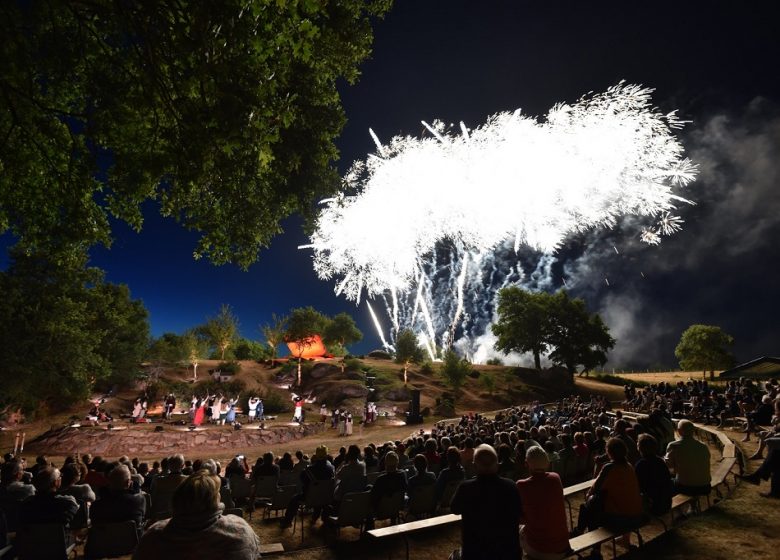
point(454, 370)
point(274, 333)
point(523, 323)
point(303, 324)
point(705, 348)
point(407, 350)
point(552, 324)
point(221, 331)
point(246, 349)
point(63, 331)
point(224, 112)
point(340, 331)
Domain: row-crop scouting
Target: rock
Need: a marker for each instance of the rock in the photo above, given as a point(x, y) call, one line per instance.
point(321, 370)
point(400, 394)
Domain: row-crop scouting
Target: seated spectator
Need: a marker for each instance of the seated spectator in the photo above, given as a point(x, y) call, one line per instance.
point(770, 468)
point(690, 461)
point(286, 462)
point(267, 467)
point(761, 416)
point(12, 487)
point(389, 483)
point(198, 529)
point(320, 469)
point(490, 506)
point(163, 486)
point(423, 477)
point(467, 455)
point(118, 503)
point(544, 534)
point(614, 500)
point(453, 472)
point(225, 496)
point(655, 481)
point(96, 478)
point(70, 484)
point(351, 476)
point(431, 454)
point(47, 506)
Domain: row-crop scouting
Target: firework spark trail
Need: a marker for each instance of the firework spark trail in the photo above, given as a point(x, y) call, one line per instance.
point(510, 182)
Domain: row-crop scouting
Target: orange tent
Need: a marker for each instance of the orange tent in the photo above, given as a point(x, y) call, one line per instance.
point(311, 348)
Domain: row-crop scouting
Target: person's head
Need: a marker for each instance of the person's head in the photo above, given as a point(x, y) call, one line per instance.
point(391, 461)
point(268, 458)
point(685, 428)
point(321, 453)
point(453, 457)
point(70, 475)
point(119, 478)
point(212, 466)
point(616, 449)
point(197, 494)
point(420, 463)
point(176, 464)
point(485, 460)
point(47, 480)
point(536, 459)
point(353, 453)
point(12, 471)
point(647, 445)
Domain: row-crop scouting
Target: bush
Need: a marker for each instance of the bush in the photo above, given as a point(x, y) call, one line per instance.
point(617, 380)
point(494, 362)
point(353, 364)
point(474, 374)
point(427, 368)
point(251, 350)
point(275, 402)
point(231, 368)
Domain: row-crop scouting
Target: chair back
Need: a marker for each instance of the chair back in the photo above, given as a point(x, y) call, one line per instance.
point(34, 542)
point(161, 505)
point(240, 488)
point(81, 519)
point(286, 478)
point(354, 509)
point(282, 497)
point(449, 492)
point(111, 540)
point(265, 486)
point(372, 476)
point(389, 506)
point(11, 510)
point(422, 499)
point(320, 493)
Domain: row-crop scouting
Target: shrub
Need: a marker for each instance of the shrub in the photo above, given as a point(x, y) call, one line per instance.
point(474, 374)
point(617, 380)
point(494, 362)
point(250, 350)
point(427, 368)
point(229, 367)
point(353, 364)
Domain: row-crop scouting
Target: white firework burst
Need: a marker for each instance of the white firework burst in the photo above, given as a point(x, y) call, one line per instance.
point(669, 224)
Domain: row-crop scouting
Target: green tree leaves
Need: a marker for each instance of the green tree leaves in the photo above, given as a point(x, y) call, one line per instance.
point(705, 348)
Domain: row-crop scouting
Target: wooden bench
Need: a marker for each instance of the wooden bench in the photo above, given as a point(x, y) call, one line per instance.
point(597, 537)
point(271, 549)
point(573, 490)
point(405, 529)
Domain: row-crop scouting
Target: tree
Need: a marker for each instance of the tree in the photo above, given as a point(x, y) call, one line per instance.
point(274, 333)
point(523, 323)
point(341, 330)
point(454, 370)
point(576, 337)
point(221, 331)
point(225, 112)
point(193, 348)
point(302, 325)
point(407, 350)
point(246, 349)
point(706, 348)
point(63, 330)
point(488, 382)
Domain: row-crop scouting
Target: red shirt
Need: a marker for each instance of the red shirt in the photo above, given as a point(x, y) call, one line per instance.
point(544, 513)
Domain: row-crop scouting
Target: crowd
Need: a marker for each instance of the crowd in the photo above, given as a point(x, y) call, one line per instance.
point(467, 466)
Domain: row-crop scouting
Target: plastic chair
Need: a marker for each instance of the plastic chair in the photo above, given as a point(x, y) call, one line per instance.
point(422, 500)
point(34, 542)
point(240, 489)
point(355, 508)
point(265, 486)
point(280, 500)
point(111, 540)
point(319, 495)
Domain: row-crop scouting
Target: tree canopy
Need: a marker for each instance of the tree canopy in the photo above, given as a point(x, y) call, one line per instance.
point(64, 332)
point(705, 348)
point(225, 113)
point(454, 370)
point(303, 324)
point(274, 333)
point(221, 331)
point(339, 331)
point(407, 350)
point(554, 324)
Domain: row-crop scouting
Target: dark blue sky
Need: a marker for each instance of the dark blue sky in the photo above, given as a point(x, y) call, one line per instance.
point(716, 62)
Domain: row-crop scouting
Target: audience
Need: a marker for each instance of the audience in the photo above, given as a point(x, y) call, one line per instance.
point(690, 461)
point(320, 469)
point(655, 481)
point(118, 503)
point(47, 506)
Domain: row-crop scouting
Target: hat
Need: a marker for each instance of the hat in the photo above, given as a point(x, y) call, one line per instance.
point(321, 452)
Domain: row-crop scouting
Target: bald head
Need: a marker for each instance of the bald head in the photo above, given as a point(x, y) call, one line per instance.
point(119, 478)
point(485, 460)
point(685, 428)
point(47, 480)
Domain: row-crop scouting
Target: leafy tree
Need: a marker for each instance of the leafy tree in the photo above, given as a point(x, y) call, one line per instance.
point(302, 325)
point(224, 112)
point(454, 370)
point(576, 336)
point(63, 330)
point(246, 349)
point(705, 347)
point(193, 349)
point(407, 350)
point(488, 382)
point(221, 331)
point(340, 331)
point(274, 333)
point(523, 323)
point(167, 349)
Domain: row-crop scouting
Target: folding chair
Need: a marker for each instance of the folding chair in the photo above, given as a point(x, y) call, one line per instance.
point(111, 540)
point(422, 501)
point(34, 542)
point(355, 508)
point(389, 507)
point(319, 495)
point(280, 500)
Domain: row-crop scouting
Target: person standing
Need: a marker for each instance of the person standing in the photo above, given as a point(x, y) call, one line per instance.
point(490, 509)
point(170, 405)
point(298, 415)
point(252, 405)
point(349, 424)
point(230, 418)
point(260, 410)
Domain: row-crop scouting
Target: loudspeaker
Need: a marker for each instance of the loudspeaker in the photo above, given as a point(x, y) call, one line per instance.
point(413, 416)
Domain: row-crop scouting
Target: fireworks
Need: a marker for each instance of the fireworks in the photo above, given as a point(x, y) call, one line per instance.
point(419, 222)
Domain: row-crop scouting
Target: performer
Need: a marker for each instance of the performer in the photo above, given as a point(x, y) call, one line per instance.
point(170, 405)
point(230, 418)
point(298, 416)
point(193, 408)
point(136, 409)
point(323, 413)
point(260, 410)
point(252, 404)
point(334, 418)
point(349, 424)
point(216, 409)
point(223, 410)
point(200, 413)
point(343, 424)
point(144, 406)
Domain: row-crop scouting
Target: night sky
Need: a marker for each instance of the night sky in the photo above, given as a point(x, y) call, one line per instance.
point(714, 62)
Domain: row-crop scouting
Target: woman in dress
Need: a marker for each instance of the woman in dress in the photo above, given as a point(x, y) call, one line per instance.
point(343, 424)
point(216, 407)
point(230, 418)
point(223, 410)
point(136, 409)
point(349, 423)
point(200, 412)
